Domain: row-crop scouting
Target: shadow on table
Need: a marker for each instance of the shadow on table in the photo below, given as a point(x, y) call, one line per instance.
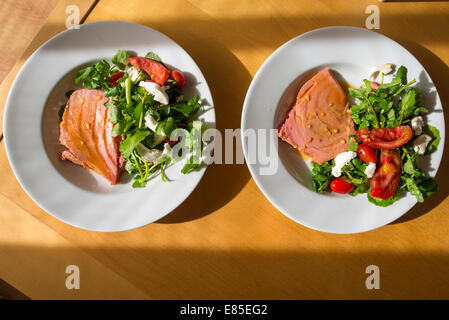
point(439, 73)
point(221, 182)
point(243, 274)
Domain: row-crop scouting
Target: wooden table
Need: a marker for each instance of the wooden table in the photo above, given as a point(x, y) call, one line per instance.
point(226, 240)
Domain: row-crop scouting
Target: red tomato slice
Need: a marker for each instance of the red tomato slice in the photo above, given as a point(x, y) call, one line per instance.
point(366, 154)
point(340, 185)
point(374, 85)
point(157, 72)
point(386, 138)
point(177, 75)
point(386, 179)
point(115, 77)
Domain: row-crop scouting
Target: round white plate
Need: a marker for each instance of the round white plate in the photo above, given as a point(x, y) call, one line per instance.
point(350, 53)
point(68, 192)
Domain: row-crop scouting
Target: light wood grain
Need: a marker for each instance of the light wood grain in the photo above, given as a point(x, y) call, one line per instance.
point(21, 20)
point(35, 258)
point(226, 240)
point(28, 26)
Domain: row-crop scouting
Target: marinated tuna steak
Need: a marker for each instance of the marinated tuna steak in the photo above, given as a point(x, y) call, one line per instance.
point(86, 131)
point(319, 124)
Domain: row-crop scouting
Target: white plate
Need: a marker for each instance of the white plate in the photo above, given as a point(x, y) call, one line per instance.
point(351, 52)
point(69, 192)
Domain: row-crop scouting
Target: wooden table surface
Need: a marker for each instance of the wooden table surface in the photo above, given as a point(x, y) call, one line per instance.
point(226, 240)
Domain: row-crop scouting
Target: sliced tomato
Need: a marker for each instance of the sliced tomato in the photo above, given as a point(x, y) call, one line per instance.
point(115, 77)
point(178, 76)
point(157, 72)
point(386, 179)
point(374, 85)
point(386, 138)
point(366, 154)
point(340, 185)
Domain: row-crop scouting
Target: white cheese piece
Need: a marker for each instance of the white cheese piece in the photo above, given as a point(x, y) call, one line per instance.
point(154, 155)
point(341, 160)
point(370, 169)
point(420, 144)
point(385, 69)
point(134, 74)
point(417, 125)
point(152, 124)
point(156, 90)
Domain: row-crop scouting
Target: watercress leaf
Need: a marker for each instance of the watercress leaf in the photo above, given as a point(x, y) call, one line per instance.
point(112, 92)
point(128, 145)
point(153, 56)
point(169, 125)
point(353, 145)
point(321, 176)
point(420, 110)
point(102, 66)
point(83, 74)
point(130, 167)
point(357, 93)
point(139, 183)
point(189, 166)
point(118, 129)
point(114, 114)
point(149, 140)
point(401, 75)
point(154, 114)
point(413, 189)
point(119, 58)
point(138, 111)
point(408, 104)
point(434, 133)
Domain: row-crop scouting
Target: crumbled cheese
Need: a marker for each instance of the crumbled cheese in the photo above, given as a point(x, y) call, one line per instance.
point(341, 160)
point(370, 169)
point(154, 155)
point(420, 144)
point(417, 125)
point(156, 90)
point(385, 69)
point(135, 74)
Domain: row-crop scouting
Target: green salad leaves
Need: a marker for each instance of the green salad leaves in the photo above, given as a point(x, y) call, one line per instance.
point(385, 106)
point(130, 105)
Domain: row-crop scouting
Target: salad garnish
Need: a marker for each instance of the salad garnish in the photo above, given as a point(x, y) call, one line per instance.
point(391, 136)
point(146, 105)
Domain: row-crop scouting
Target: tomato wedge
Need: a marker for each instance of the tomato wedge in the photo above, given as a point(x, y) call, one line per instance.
point(340, 185)
point(386, 138)
point(386, 179)
point(366, 154)
point(178, 76)
point(115, 77)
point(157, 72)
